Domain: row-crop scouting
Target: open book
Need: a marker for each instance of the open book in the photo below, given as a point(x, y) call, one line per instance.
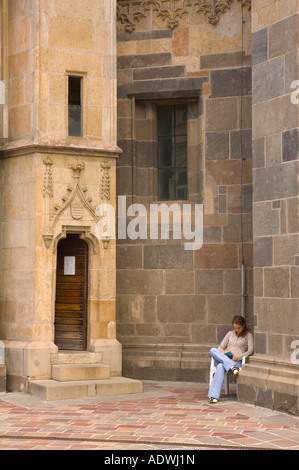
point(229, 354)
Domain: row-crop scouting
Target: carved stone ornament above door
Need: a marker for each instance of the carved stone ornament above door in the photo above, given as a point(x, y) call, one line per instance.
point(130, 12)
point(75, 198)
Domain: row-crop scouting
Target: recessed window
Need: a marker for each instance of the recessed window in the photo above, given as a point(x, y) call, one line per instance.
point(172, 148)
point(74, 106)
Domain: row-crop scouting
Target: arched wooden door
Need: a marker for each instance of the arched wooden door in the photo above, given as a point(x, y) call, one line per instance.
point(71, 294)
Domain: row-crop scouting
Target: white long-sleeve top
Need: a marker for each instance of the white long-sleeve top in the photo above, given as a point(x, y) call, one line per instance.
point(240, 346)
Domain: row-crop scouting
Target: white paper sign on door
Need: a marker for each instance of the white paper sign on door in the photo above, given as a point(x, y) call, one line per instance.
point(69, 265)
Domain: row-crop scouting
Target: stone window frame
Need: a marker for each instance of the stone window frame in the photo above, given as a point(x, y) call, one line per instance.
point(72, 131)
point(195, 161)
point(84, 94)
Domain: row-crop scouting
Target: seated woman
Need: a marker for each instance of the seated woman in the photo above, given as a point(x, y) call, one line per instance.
point(236, 344)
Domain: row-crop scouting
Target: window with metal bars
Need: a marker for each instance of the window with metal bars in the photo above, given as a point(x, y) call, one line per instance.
point(172, 148)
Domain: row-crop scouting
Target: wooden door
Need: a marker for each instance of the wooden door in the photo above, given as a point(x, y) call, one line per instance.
point(71, 294)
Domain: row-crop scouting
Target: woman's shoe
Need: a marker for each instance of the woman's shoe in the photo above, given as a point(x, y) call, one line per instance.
point(213, 400)
point(235, 370)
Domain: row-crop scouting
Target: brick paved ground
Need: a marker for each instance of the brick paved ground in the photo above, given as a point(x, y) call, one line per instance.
point(165, 416)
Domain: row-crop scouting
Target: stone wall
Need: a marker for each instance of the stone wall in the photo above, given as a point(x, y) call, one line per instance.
point(52, 182)
point(275, 208)
point(17, 60)
point(172, 303)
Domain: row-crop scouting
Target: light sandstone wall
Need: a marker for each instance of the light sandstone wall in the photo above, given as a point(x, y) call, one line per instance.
point(79, 39)
point(41, 166)
point(271, 378)
point(21, 74)
point(173, 304)
point(56, 38)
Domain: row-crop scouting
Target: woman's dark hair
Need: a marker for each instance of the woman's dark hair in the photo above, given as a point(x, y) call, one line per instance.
point(238, 320)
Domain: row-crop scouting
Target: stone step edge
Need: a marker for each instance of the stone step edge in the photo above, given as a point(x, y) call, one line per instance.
point(76, 357)
point(75, 372)
point(51, 390)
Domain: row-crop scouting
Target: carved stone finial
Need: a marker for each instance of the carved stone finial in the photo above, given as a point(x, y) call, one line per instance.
point(77, 168)
point(214, 9)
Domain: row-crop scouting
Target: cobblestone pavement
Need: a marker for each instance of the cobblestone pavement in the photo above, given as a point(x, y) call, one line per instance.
point(165, 416)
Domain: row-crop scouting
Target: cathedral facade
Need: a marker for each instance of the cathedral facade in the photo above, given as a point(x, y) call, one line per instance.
point(153, 112)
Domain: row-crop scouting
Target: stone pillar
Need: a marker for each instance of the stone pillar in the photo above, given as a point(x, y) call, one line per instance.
point(272, 377)
point(52, 182)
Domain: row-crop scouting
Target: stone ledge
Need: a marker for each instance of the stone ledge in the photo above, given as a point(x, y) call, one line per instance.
point(173, 361)
point(270, 382)
point(68, 147)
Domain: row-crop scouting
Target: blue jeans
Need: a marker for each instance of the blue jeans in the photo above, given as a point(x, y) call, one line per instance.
point(223, 364)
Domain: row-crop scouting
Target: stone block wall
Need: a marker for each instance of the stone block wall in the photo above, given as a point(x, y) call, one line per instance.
point(42, 43)
point(17, 59)
point(275, 208)
point(275, 173)
point(173, 304)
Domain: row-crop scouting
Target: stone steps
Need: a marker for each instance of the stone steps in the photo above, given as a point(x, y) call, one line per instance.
point(51, 390)
point(75, 372)
point(81, 375)
point(70, 366)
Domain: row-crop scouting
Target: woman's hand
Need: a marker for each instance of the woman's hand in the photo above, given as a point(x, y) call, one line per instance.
point(235, 358)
